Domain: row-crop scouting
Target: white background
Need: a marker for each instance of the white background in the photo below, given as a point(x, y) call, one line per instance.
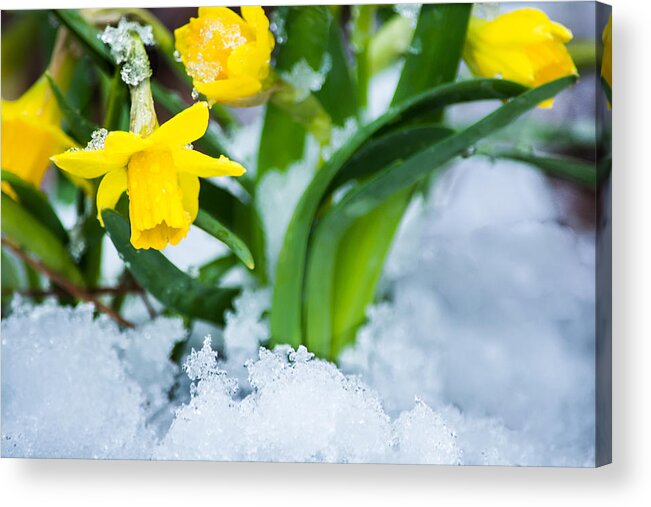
point(625, 482)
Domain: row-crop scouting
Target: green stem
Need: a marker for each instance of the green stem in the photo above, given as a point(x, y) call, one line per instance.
point(363, 18)
point(115, 103)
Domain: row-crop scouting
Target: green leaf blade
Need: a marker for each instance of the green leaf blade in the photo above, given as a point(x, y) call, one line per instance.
point(216, 229)
point(164, 280)
point(23, 229)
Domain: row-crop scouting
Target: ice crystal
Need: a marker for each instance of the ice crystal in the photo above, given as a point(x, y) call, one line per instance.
point(97, 140)
point(135, 69)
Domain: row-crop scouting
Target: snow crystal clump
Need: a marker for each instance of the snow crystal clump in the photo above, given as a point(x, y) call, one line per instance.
point(65, 392)
point(134, 69)
point(301, 409)
point(305, 79)
point(97, 140)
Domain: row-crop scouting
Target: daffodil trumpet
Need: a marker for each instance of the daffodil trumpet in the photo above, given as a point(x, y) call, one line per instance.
point(524, 46)
point(155, 165)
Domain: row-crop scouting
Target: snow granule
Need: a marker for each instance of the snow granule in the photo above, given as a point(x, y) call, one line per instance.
point(118, 38)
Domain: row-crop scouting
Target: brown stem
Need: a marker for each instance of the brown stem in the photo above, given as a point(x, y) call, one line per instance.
point(65, 284)
point(55, 291)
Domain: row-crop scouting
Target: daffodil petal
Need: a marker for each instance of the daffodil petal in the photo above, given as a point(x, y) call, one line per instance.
point(245, 61)
point(112, 186)
point(190, 188)
point(223, 14)
point(257, 18)
point(522, 26)
point(186, 127)
point(201, 165)
point(124, 143)
point(89, 164)
point(230, 90)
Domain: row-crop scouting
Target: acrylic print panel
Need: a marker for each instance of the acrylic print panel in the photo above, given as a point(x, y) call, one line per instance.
point(351, 234)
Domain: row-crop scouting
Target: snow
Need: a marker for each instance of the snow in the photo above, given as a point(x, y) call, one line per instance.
point(65, 392)
point(477, 277)
point(305, 79)
point(97, 140)
point(134, 69)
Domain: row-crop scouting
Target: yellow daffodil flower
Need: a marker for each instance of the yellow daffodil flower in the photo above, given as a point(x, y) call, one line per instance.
point(31, 133)
point(607, 59)
point(524, 46)
point(226, 55)
point(159, 172)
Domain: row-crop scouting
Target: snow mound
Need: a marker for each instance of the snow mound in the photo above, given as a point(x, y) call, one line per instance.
point(65, 392)
point(301, 409)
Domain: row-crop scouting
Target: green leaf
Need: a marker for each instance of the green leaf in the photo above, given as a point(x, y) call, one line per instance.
point(212, 272)
point(437, 45)
point(12, 278)
point(287, 297)
point(215, 228)
point(400, 176)
point(80, 127)
point(238, 215)
point(338, 104)
point(26, 231)
point(116, 116)
point(164, 280)
point(36, 203)
point(387, 188)
point(390, 42)
point(86, 34)
point(576, 171)
point(313, 38)
point(385, 149)
point(337, 295)
point(282, 141)
point(307, 31)
point(436, 49)
point(306, 37)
